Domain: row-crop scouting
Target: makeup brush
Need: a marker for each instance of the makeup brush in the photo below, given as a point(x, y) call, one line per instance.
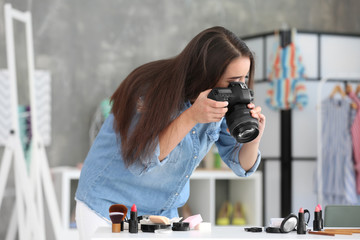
point(116, 219)
point(117, 213)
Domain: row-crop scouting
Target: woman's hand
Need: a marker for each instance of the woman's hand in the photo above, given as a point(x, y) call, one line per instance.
point(249, 151)
point(205, 110)
point(256, 113)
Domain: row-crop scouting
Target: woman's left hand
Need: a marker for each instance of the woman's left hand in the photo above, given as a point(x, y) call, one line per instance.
point(256, 113)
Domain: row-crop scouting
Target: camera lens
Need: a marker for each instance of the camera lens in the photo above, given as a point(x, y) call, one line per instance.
point(243, 127)
point(245, 132)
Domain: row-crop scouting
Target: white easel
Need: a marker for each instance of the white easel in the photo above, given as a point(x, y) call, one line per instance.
point(29, 191)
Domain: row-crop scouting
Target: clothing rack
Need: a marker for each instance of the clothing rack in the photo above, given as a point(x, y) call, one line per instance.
point(285, 127)
point(285, 147)
point(319, 122)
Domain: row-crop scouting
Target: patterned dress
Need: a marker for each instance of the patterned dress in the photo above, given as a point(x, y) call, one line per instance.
point(286, 76)
point(338, 175)
point(355, 132)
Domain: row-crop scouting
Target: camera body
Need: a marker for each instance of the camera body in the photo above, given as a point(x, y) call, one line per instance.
point(242, 126)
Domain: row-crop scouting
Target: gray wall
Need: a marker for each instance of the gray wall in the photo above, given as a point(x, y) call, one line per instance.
point(91, 45)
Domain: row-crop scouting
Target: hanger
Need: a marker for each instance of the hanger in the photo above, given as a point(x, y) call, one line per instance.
point(337, 89)
point(357, 91)
point(348, 90)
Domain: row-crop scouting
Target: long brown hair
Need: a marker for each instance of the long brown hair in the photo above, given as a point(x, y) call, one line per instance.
point(159, 89)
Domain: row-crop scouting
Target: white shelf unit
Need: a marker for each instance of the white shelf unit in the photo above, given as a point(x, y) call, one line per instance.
point(65, 182)
point(208, 189)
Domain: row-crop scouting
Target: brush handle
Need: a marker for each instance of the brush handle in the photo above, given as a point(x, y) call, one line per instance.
point(116, 227)
point(321, 233)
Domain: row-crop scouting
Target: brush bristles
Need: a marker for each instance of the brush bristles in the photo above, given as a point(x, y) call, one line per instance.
point(118, 208)
point(116, 217)
point(117, 213)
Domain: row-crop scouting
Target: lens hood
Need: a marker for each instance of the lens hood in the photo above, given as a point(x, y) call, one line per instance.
point(245, 132)
point(242, 126)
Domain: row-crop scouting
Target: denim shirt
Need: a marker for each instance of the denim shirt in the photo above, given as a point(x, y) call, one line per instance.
point(156, 187)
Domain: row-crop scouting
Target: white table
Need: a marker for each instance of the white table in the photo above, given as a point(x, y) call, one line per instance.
point(231, 232)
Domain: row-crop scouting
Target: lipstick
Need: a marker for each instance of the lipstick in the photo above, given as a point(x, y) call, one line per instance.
point(321, 218)
point(301, 226)
point(133, 221)
point(317, 219)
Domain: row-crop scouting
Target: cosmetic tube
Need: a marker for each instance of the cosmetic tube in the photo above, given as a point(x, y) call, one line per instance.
point(133, 221)
point(321, 218)
point(317, 220)
point(301, 226)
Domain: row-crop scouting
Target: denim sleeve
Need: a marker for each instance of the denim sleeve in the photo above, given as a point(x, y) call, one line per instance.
point(141, 167)
point(229, 152)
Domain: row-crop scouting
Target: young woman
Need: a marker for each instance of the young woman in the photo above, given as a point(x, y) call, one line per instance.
point(161, 126)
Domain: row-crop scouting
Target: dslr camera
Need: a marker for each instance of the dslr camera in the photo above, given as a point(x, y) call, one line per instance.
point(242, 126)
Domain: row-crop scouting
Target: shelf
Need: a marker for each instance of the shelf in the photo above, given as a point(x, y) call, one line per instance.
point(65, 182)
point(208, 189)
point(220, 174)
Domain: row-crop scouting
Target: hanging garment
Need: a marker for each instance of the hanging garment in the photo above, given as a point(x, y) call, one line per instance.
point(355, 132)
point(25, 131)
point(338, 175)
point(286, 75)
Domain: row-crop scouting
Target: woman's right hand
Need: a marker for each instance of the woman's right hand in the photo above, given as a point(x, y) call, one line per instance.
point(205, 110)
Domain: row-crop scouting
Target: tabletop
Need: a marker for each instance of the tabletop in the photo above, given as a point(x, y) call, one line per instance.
point(231, 232)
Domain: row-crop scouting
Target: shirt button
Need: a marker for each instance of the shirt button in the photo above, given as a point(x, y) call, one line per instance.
point(176, 194)
point(193, 132)
point(195, 157)
point(187, 176)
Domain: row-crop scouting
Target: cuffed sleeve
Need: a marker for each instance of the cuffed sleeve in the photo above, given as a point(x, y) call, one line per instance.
point(238, 170)
point(229, 152)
